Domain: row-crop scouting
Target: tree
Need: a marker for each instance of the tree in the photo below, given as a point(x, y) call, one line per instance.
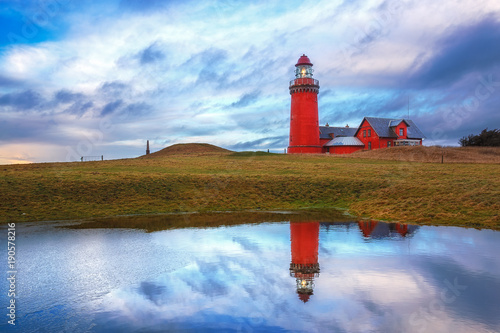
point(485, 139)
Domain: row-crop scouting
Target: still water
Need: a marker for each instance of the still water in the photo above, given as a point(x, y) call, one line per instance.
point(301, 276)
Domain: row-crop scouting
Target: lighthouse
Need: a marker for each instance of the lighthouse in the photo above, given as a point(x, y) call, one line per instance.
point(304, 267)
point(304, 127)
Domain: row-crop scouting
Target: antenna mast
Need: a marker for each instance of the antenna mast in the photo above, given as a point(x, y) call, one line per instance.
point(408, 106)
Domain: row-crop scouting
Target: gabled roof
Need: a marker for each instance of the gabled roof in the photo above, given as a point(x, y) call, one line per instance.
point(345, 141)
point(382, 126)
point(394, 123)
point(325, 131)
point(413, 132)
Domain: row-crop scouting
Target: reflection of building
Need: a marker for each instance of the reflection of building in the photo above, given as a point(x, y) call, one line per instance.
point(304, 266)
point(375, 229)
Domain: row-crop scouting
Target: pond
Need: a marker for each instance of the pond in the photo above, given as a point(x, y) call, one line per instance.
point(287, 276)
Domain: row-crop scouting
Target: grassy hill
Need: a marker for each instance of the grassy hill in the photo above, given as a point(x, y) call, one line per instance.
point(188, 149)
point(464, 194)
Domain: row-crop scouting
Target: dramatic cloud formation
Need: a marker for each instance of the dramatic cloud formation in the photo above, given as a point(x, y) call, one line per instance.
point(100, 78)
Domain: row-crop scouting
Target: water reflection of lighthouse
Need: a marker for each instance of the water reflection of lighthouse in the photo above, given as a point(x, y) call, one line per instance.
point(304, 266)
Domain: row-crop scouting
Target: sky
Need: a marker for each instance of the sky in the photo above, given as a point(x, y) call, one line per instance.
point(92, 78)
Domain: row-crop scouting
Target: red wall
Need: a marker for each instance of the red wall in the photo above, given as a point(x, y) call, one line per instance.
point(374, 139)
point(323, 142)
point(383, 142)
point(405, 132)
point(304, 127)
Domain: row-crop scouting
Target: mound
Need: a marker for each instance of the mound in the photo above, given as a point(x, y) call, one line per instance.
point(188, 149)
point(433, 154)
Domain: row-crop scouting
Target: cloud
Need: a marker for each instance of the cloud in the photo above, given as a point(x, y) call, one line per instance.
point(151, 54)
point(446, 124)
point(209, 66)
point(113, 87)
point(466, 49)
point(137, 109)
point(272, 142)
point(111, 107)
point(79, 108)
point(145, 6)
point(7, 81)
point(247, 99)
point(25, 100)
point(66, 96)
point(26, 129)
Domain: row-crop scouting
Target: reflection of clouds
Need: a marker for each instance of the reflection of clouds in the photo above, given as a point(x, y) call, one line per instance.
point(247, 244)
point(237, 278)
point(208, 279)
point(240, 279)
point(476, 292)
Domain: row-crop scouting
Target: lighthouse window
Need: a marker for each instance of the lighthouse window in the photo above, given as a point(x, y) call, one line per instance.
point(401, 131)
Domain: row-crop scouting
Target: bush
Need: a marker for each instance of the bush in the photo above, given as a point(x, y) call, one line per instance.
point(485, 139)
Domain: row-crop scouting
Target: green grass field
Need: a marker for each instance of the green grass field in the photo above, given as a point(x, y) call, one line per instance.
point(424, 193)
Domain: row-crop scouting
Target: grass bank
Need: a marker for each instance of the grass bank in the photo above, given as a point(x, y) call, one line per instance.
point(461, 194)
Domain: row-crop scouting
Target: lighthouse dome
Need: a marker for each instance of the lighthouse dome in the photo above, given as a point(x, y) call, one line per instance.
point(303, 60)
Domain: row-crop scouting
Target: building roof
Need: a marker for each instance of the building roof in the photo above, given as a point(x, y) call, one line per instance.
point(344, 141)
point(394, 123)
point(303, 60)
point(325, 131)
point(383, 127)
point(413, 131)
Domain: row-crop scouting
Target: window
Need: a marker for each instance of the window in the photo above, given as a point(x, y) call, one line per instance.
point(388, 143)
point(369, 132)
point(369, 146)
point(401, 131)
point(364, 133)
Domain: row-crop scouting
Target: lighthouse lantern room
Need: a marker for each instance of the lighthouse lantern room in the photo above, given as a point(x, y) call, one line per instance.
point(304, 127)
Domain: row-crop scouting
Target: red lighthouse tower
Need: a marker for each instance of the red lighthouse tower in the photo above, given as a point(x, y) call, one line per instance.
point(304, 267)
point(304, 127)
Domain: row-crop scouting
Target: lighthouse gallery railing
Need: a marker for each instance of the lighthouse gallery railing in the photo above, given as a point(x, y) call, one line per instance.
point(304, 82)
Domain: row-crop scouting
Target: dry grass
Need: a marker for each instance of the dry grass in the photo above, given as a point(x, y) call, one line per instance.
point(188, 149)
point(463, 194)
point(433, 154)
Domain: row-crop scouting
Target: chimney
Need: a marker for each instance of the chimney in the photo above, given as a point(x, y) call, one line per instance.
point(347, 126)
point(147, 148)
point(327, 125)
